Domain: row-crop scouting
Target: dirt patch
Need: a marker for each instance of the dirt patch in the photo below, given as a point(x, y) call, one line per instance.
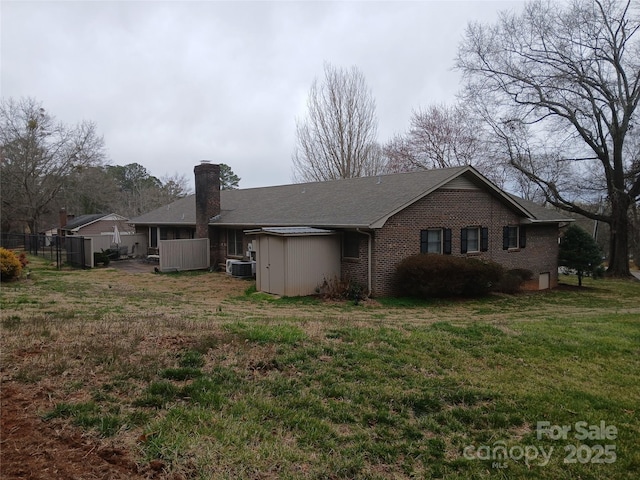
point(35, 449)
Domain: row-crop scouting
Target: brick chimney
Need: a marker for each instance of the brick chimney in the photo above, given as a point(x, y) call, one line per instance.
point(207, 196)
point(64, 218)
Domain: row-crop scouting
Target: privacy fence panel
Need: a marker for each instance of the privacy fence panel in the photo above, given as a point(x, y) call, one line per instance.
point(179, 255)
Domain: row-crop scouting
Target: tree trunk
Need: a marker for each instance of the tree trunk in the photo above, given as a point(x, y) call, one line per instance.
point(635, 234)
point(619, 239)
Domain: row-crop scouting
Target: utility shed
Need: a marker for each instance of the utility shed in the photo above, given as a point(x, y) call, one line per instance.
point(295, 261)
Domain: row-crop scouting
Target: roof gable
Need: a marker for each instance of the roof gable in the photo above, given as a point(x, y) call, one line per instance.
point(84, 220)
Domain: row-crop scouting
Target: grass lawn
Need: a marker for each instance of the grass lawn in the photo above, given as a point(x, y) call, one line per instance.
point(207, 379)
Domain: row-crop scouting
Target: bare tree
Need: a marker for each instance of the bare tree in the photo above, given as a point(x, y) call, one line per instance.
point(175, 186)
point(338, 137)
point(568, 76)
point(37, 155)
point(442, 136)
point(139, 192)
point(399, 155)
point(88, 190)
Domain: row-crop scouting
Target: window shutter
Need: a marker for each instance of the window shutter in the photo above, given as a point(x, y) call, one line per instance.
point(446, 244)
point(423, 241)
point(484, 239)
point(463, 240)
point(505, 238)
point(523, 236)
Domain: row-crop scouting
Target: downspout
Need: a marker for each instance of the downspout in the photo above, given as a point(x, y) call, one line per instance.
point(368, 260)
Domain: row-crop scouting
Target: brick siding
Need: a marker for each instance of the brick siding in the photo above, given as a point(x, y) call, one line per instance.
point(355, 270)
point(455, 209)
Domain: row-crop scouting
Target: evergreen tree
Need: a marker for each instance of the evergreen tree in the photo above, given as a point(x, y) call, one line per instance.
point(579, 252)
point(228, 179)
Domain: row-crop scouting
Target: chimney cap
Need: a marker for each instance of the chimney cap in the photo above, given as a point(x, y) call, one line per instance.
point(205, 162)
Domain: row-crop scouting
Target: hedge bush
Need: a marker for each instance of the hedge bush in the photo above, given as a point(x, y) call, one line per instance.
point(10, 266)
point(434, 276)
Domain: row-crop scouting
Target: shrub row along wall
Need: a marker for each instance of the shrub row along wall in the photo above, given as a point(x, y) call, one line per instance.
point(433, 275)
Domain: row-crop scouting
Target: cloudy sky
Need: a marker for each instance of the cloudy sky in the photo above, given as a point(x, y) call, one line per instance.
point(170, 83)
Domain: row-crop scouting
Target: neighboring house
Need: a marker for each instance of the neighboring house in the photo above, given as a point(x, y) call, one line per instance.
point(361, 228)
point(94, 224)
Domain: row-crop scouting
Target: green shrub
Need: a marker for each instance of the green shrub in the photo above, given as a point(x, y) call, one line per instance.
point(431, 275)
point(10, 266)
point(101, 257)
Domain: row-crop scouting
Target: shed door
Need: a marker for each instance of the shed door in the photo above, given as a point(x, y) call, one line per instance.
point(271, 264)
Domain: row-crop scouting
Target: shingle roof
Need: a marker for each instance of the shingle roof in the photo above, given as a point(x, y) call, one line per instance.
point(364, 202)
point(84, 220)
point(180, 212)
point(541, 213)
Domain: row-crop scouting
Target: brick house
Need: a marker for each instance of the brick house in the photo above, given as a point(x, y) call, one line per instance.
point(374, 221)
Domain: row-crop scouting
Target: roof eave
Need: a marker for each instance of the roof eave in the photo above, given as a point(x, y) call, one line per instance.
point(550, 221)
point(284, 224)
point(180, 224)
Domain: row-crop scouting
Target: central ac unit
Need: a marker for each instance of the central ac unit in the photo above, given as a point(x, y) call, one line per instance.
point(229, 268)
point(242, 269)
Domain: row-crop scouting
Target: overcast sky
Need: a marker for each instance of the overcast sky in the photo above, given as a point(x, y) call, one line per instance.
point(171, 83)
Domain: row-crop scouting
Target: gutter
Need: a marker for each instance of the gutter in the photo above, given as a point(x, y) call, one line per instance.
point(532, 221)
point(368, 260)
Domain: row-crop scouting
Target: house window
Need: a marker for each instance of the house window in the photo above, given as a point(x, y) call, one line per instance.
point(435, 240)
point(234, 243)
point(513, 237)
point(153, 234)
point(351, 245)
point(474, 239)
